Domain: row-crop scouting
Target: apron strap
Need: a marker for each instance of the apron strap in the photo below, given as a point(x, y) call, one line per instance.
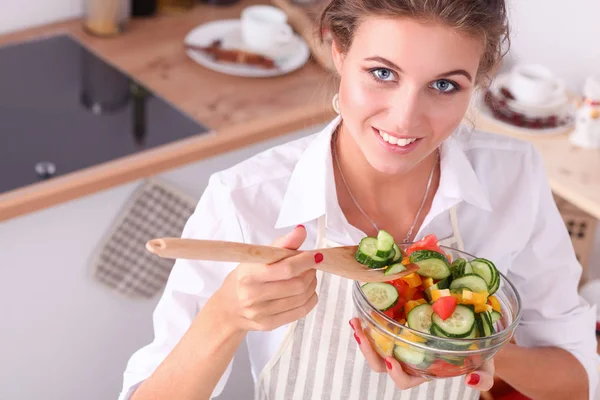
point(454, 222)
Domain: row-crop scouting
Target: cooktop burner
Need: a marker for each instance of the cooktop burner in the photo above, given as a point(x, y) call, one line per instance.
point(62, 109)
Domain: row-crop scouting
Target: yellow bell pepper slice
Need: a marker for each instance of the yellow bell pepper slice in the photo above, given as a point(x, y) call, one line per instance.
point(413, 280)
point(495, 303)
point(458, 296)
point(479, 308)
point(469, 297)
point(436, 294)
point(427, 283)
point(411, 337)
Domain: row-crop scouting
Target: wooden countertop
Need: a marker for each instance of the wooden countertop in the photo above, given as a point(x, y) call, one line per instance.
point(241, 111)
point(573, 172)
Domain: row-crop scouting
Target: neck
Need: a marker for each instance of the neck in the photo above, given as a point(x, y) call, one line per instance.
point(381, 195)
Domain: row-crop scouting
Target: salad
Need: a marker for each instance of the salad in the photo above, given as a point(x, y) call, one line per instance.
point(444, 297)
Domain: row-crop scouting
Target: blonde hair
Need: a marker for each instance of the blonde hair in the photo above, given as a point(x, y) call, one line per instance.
point(485, 19)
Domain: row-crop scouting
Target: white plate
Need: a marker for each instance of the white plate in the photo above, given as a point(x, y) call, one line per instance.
point(485, 112)
point(287, 58)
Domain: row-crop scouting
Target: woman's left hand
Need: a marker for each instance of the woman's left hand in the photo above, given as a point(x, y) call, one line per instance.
point(481, 379)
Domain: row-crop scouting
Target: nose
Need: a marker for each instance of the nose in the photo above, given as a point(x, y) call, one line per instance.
point(406, 108)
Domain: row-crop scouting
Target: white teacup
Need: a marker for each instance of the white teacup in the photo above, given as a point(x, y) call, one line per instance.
point(264, 27)
point(534, 84)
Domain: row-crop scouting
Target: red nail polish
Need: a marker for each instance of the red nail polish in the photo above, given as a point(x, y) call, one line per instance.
point(352, 326)
point(474, 379)
point(388, 364)
point(300, 226)
point(357, 339)
point(318, 257)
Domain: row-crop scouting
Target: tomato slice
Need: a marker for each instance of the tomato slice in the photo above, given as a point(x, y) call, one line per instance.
point(397, 311)
point(445, 306)
point(429, 242)
point(442, 368)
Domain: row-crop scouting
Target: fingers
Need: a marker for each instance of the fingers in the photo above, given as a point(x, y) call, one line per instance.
point(401, 379)
point(285, 269)
point(273, 307)
point(390, 365)
point(483, 378)
point(291, 287)
point(373, 359)
point(292, 240)
point(286, 317)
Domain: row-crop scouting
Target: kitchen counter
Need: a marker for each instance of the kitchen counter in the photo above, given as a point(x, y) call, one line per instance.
point(574, 173)
point(240, 111)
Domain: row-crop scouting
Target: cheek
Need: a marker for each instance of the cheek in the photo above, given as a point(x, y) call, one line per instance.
point(446, 113)
point(358, 99)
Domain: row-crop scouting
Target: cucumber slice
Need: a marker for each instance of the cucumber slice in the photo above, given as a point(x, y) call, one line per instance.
point(458, 325)
point(460, 267)
point(419, 318)
point(409, 354)
point(381, 295)
point(484, 269)
point(367, 253)
point(496, 316)
point(444, 283)
point(431, 264)
point(394, 269)
point(385, 244)
point(496, 284)
point(484, 324)
point(397, 254)
point(437, 331)
point(457, 267)
point(473, 282)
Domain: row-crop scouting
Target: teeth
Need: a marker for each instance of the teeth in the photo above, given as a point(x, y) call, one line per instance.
point(394, 140)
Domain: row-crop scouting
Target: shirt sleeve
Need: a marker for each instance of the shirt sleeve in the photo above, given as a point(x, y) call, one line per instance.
point(189, 286)
point(546, 274)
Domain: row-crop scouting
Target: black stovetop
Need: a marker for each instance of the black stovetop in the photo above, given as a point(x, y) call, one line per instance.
point(62, 109)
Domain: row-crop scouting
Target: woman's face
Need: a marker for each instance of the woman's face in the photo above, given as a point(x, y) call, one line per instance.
point(405, 86)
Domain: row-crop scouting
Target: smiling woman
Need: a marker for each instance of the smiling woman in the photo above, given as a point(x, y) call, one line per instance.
point(394, 159)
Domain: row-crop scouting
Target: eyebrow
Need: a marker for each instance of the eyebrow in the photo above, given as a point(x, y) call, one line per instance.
point(394, 66)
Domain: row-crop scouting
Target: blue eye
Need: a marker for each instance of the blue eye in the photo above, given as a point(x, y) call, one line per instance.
point(444, 86)
point(383, 74)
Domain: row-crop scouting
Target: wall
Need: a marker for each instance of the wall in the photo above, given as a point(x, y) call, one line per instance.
point(65, 336)
point(16, 15)
point(557, 33)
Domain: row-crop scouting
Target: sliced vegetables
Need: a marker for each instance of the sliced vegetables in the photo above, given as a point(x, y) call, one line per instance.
point(447, 299)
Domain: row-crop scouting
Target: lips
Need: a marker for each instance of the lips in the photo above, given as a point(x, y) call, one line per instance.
point(391, 139)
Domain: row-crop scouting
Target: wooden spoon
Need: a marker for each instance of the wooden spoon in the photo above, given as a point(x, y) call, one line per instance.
point(336, 260)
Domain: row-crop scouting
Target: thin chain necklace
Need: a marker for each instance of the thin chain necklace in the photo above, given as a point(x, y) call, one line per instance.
point(408, 235)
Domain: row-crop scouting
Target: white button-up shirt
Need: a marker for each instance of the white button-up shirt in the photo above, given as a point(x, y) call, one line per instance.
point(505, 211)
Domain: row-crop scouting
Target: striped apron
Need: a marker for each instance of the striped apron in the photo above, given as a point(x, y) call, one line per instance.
point(319, 359)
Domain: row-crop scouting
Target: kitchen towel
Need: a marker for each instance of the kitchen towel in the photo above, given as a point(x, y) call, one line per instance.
point(122, 262)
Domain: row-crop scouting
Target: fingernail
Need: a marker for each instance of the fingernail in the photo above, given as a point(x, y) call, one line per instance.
point(352, 326)
point(388, 364)
point(300, 226)
point(318, 257)
point(474, 379)
point(357, 339)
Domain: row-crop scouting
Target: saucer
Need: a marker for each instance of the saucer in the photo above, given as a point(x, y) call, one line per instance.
point(556, 106)
point(287, 58)
point(485, 103)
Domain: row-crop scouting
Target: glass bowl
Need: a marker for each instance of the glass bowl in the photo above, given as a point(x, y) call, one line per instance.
point(430, 356)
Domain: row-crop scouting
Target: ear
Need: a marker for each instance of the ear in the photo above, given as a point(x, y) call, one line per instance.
point(337, 56)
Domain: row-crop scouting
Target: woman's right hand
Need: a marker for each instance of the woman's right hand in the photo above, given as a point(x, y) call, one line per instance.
point(262, 297)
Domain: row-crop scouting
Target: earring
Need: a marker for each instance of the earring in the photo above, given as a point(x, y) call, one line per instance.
point(335, 102)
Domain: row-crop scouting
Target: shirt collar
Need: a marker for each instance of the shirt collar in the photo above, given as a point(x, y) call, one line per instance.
point(311, 193)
